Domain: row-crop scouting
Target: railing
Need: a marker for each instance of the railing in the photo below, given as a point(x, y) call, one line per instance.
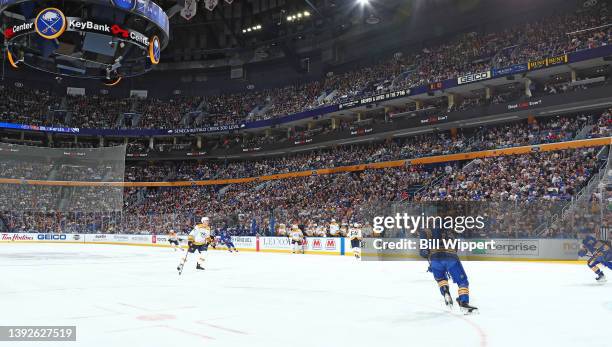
point(582, 196)
point(586, 192)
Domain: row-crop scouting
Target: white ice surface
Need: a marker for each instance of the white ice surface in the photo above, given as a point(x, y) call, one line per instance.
point(132, 296)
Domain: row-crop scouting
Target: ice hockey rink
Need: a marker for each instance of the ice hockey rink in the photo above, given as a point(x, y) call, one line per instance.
point(133, 296)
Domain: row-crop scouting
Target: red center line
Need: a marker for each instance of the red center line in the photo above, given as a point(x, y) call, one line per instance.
point(481, 333)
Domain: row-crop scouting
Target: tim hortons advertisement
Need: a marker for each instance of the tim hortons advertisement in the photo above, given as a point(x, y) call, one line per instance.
point(40, 237)
point(6, 237)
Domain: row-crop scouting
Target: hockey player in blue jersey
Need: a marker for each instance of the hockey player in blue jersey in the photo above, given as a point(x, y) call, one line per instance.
point(444, 262)
point(599, 252)
point(226, 240)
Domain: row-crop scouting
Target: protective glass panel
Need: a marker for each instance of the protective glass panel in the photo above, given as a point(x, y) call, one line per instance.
point(36, 180)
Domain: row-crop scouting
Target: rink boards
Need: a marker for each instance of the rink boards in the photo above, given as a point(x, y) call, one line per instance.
point(506, 250)
point(315, 245)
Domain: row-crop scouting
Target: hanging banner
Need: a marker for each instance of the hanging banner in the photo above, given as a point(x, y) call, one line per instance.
point(190, 9)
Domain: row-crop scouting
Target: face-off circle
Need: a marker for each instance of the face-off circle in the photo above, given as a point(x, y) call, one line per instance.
point(96, 39)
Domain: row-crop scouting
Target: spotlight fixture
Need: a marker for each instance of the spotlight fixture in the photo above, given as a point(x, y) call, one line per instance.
point(251, 29)
point(298, 16)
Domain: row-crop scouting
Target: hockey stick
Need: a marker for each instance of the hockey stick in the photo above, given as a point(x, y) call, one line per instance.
point(182, 264)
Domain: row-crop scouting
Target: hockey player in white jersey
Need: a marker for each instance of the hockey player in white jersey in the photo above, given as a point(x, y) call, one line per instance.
point(320, 230)
point(355, 235)
point(173, 240)
point(344, 228)
point(296, 237)
point(334, 228)
point(199, 238)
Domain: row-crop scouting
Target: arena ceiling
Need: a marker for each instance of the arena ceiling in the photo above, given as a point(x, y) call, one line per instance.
point(264, 29)
point(236, 32)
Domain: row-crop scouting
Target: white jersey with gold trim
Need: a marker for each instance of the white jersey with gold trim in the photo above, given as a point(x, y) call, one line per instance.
point(296, 235)
point(320, 231)
point(355, 234)
point(172, 236)
point(200, 234)
point(334, 229)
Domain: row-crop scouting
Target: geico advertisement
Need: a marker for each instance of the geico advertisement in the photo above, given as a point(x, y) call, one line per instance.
point(41, 237)
point(60, 237)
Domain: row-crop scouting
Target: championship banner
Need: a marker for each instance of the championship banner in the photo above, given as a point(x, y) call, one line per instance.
point(545, 62)
point(210, 4)
point(190, 9)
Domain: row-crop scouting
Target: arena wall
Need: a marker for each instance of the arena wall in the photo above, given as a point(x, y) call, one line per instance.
point(508, 250)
